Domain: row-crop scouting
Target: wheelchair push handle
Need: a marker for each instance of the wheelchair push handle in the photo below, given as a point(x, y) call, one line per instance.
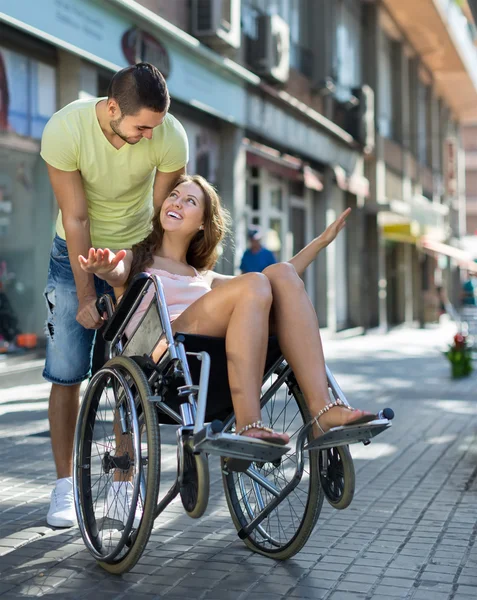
point(104, 306)
point(101, 305)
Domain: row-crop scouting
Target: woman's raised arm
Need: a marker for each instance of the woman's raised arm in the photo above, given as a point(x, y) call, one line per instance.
point(306, 256)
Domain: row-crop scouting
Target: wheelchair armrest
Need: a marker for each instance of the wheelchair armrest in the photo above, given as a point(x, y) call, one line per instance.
point(127, 302)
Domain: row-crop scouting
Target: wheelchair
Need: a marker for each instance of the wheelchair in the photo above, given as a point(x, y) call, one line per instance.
point(274, 502)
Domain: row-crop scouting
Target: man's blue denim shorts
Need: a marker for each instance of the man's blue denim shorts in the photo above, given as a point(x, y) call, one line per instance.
point(69, 345)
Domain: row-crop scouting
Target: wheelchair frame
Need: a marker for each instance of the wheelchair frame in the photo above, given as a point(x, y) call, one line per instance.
point(213, 437)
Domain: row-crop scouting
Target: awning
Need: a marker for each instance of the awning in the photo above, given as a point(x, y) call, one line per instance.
point(312, 179)
point(461, 256)
point(282, 165)
point(406, 233)
point(355, 184)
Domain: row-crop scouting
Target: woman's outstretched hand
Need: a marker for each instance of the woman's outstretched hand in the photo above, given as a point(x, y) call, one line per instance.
point(101, 262)
point(330, 233)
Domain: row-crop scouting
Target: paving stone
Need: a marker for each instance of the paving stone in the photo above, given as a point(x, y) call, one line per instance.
point(429, 595)
point(382, 591)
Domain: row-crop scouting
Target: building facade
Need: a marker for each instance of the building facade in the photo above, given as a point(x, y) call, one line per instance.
point(294, 109)
point(469, 135)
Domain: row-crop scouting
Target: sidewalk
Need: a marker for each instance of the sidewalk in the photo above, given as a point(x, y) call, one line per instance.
point(409, 533)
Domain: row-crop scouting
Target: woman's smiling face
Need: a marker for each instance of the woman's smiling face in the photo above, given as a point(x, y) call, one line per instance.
point(183, 209)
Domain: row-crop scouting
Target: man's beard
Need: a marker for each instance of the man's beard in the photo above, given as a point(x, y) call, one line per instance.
point(115, 127)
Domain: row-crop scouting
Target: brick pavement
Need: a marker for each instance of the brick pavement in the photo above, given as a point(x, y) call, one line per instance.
point(409, 533)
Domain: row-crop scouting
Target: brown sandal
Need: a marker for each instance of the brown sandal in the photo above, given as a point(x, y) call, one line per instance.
point(241, 465)
point(360, 421)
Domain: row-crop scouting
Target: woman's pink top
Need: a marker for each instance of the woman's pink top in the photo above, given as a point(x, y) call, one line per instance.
point(180, 291)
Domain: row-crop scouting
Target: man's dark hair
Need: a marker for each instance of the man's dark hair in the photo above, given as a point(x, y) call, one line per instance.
point(139, 86)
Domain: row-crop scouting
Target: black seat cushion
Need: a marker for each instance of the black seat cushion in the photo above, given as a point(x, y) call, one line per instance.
point(219, 400)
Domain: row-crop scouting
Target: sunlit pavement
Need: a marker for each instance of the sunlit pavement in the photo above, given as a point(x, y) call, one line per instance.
point(409, 533)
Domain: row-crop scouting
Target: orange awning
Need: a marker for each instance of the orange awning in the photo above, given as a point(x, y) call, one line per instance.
point(461, 256)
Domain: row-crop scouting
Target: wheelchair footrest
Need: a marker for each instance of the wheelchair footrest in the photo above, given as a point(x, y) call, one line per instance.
point(237, 446)
point(348, 434)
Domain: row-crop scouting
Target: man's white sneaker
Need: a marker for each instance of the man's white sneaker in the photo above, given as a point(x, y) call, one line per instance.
point(62, 507)
point(118, 503)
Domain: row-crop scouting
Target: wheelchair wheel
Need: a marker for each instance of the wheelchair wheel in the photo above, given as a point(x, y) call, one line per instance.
point(337, 476)
point(285, 531)
point(117, 448)
point(194, 490)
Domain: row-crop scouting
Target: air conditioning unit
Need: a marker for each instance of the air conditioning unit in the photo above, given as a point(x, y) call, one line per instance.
point(269, 54)
point(217, 22)
point(361, 120)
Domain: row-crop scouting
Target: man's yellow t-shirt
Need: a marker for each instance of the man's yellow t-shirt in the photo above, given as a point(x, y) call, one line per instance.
point(117, 183)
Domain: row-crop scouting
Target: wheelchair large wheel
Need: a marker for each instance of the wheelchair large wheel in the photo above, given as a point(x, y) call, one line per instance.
point(337, 476)
point(117, 442)
point(285, 531)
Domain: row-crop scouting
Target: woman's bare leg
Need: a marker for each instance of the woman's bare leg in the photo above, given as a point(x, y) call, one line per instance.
point(298, 333)
point(239, 311)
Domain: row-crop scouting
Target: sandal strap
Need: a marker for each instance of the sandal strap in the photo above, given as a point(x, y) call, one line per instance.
point(327, 407)
point(255, 425)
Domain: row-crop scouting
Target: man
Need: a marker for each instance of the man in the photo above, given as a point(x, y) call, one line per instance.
point(256, 257)
point(111, 162)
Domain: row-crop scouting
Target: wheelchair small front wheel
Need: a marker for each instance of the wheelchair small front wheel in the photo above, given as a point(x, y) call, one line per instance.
point(337, 476)
point(194, 490)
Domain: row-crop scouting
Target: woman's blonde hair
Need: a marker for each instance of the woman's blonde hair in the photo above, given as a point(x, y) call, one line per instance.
point(203, 249)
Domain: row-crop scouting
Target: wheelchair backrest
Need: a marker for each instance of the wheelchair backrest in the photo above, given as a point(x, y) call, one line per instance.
point(147, 334)
point(154, 324)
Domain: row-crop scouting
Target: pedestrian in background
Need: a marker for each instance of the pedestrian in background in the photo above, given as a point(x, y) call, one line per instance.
point(469, 288)
point(256, 257)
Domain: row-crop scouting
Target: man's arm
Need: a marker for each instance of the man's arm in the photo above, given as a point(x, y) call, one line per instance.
point(69, 192)
point(163, 184)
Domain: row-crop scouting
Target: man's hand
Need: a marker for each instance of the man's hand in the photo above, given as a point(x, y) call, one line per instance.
point(87, 314)
point(330, 233)
point(101, 262)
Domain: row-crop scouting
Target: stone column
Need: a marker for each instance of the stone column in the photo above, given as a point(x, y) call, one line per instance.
point(232, 186)
point(69, 77)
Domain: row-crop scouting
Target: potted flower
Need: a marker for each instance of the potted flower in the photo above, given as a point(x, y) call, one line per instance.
point(460, 356)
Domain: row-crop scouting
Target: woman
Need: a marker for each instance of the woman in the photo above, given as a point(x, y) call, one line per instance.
point(182, 249)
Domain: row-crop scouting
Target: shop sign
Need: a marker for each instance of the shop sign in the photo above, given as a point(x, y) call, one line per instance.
point(140, 46)
point(450, 166)
point(84, 24)
point(89, 27)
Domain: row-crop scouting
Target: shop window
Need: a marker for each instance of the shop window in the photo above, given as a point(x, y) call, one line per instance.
point(424, 123)
point(253, 196)
point(103, 84)
point(28, 93)
point(389, 89)
point(276, 200)
point(275, 235)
